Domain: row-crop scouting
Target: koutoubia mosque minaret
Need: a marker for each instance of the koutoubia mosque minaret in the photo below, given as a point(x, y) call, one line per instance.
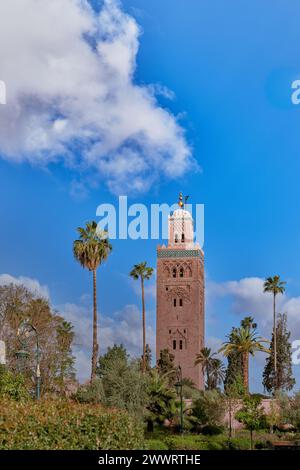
point(180, 295)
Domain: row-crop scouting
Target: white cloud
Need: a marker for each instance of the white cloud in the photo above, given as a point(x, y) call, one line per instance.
point(149, 289)
point(149, 285)
point(31, 284)
point(247, 297)
point(214, 344)
point(71, 95)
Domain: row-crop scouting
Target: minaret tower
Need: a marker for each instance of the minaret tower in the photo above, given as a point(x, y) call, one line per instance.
point(180, 295)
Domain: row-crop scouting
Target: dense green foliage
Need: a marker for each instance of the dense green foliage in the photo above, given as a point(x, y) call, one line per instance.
point(162, 441)
point(166, 365)
point(63, 425)
point(161, 399)
point(244, 341)
point(234, 364)
point(209, 409)
point(115, 354)
point(119, 383)
point(90, 393)
point(283, 380)
point(251, 415)
point(290, 409)
point(12, 385)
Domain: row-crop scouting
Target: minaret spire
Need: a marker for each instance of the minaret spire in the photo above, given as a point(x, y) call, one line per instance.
point(180, 200)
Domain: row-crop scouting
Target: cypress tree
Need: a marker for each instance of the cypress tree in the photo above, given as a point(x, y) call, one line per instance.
point(283, 380)
point(165, 365)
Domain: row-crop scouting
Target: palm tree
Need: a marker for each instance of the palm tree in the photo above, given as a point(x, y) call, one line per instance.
point(142, 271)
point(206, 358)
point(217, 373)
point(275, 286)
point(244, 341)
point(90, 250)
point(161, 399)
point(248, 322)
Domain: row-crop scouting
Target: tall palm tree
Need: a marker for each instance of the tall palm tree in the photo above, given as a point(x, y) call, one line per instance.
point(248, 322)
point(244, 341)
point(90, 250)
point(206, 358)
point(275, 286)
point(143, 272)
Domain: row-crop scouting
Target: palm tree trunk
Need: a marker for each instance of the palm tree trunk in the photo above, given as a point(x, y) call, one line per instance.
point(275, 340)
point(95, 338)
point(208, 378)
point(245, 365)
point(144, 325)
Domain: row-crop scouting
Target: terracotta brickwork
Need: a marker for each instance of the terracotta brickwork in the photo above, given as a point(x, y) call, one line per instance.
point(180, 296)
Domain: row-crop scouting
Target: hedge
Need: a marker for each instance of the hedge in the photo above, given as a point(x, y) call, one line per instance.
point(60, 425)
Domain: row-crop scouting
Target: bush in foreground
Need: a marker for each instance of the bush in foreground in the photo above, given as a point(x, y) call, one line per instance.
point(58, 425)
point(11, 385)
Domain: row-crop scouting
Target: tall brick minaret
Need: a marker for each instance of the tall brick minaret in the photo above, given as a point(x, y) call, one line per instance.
point(180, 295)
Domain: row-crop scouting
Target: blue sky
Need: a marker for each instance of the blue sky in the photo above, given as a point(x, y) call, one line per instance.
point(230, 65)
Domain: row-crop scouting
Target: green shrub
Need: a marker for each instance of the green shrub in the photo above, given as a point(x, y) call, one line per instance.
point(66, 425)
point(90, 393)
point(170, 443)
point(209, 408)
point(212, 430)
point(192, 442)
point(290, 409)
point(12, 385)
point(155, 444)
point(239, 443)
point(215, 446)
point(263, 444)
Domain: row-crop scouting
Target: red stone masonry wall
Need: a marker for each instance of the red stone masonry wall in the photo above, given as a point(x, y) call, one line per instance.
point(180, 307)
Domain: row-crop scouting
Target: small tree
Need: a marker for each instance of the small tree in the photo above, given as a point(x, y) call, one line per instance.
point(290, 409)
point(165, 365)
point(65, 359)
point(234, 392)
point(209, 408)
point(273, 417)
point(251, 415)
point(113, 354)
point(122, 383)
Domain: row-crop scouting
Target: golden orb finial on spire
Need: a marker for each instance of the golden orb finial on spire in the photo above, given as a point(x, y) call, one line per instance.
point(180, 201)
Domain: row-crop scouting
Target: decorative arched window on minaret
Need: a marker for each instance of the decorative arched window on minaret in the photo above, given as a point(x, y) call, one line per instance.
point(180, 298)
